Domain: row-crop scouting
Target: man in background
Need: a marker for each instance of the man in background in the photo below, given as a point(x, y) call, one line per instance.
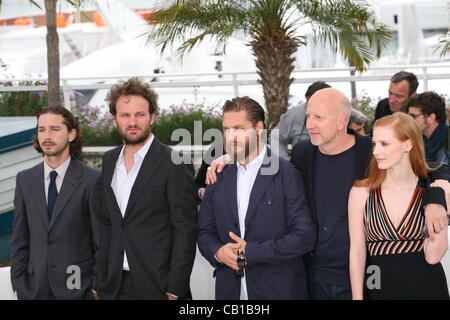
point(402, 86)
point(357, 121)
point(428, 110)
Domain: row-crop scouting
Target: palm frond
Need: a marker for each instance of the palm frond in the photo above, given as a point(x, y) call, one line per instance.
point(443, 44)
point(191, 21)
point(35, 4)
point(349, 27)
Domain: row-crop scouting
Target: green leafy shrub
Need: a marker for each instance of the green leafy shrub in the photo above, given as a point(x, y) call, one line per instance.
point(22, 103)
point(184, 116)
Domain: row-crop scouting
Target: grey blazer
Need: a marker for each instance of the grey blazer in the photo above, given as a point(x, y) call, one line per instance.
point(43, 250)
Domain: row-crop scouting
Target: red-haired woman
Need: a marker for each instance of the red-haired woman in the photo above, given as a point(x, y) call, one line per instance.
point(390, 256)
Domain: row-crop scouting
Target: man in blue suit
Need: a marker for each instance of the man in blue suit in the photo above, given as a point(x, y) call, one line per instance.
point(254, 223)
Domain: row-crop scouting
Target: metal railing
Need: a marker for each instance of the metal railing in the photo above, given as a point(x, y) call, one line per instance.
point(424, 72)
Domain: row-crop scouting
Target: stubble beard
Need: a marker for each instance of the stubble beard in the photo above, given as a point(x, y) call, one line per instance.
point(137, 140)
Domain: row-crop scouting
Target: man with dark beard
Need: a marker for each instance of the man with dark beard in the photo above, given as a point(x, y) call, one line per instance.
point(147, 223)
point(55, 228)
point(254, 223)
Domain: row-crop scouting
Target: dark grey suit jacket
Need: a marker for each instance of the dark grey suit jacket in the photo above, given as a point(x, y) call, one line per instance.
point(42, 250)
point(158, 230)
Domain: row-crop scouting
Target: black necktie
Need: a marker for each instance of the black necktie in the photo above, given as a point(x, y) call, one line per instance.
point(52, 194)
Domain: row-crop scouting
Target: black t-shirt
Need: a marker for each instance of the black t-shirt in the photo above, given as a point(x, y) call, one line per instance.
point(333, 178)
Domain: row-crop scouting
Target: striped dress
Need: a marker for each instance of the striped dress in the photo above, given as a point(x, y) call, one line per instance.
point(401, 271)
point(383, 237)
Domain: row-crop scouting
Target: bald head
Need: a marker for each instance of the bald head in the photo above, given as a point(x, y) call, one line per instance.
point(336, 102)
point(327, 115)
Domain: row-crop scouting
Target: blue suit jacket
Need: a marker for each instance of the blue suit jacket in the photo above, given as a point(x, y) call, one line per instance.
point(278, 229)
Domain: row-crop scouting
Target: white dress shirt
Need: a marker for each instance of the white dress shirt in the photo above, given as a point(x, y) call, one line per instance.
point(246, 177)
point(61, 171)
point(122, 182)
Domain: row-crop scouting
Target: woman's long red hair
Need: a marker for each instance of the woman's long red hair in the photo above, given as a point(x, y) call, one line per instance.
point(405, 128)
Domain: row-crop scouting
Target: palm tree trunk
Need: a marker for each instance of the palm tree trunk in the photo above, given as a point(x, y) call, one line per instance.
point(54, 97)
point(352, 83)
point(275, 63)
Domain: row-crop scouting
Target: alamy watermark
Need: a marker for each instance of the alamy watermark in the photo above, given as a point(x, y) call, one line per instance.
point(185, 138)
point(74, 278)
point(373, 281)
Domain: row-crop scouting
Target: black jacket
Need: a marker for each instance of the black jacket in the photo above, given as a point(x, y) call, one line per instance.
point(158, 230)
point(383, 109)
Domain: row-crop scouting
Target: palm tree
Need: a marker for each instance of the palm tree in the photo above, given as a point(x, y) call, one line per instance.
point(273, 27)
point(53, 65)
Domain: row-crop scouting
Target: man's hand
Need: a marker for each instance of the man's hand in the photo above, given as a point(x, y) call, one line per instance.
point(96, 296)
point(241, 242)
point(436, 219)
point(435, 215)
point(228, 253)
point(171, 296)
point(201, 193)
point(216, 166)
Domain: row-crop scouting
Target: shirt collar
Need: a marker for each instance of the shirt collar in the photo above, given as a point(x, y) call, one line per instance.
point(61, 170)
point(256, 163)
point(439, 132)
point(140, 154)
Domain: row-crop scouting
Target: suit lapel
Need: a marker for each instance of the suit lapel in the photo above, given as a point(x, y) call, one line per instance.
point(71, 181)
point(230, 182)
point(260, 186)
point(38, 187)
point(148, 168)
point(309, 186)
point(108, 169)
